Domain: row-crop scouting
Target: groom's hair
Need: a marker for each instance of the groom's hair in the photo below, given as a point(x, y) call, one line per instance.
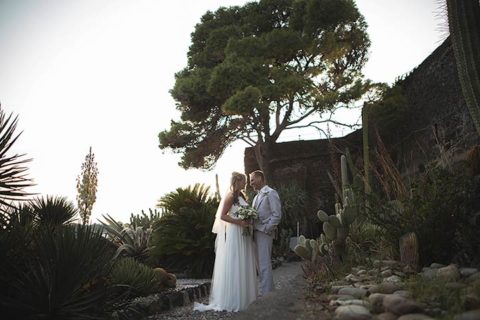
point(258, 173)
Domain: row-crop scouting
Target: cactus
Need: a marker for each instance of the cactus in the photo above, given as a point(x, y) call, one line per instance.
point(409, 250)
point(366, 150)
point(335, 227)
point(464, 22)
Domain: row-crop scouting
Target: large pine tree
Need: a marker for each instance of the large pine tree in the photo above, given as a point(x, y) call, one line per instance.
point(263, 68)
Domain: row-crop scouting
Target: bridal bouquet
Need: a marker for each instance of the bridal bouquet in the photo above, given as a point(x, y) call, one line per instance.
point(247, 213)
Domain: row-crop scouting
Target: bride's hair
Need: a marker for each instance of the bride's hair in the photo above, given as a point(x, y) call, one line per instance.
point(236, 177)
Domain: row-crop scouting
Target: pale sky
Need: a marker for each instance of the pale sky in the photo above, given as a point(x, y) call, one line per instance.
point(83, 73)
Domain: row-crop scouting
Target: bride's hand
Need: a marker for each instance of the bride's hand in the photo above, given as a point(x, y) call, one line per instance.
point(245, 223)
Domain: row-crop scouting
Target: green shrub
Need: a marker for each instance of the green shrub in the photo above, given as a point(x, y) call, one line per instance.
point(434, 292)
point(130, 241)
point(145, 221)
point(182, 237)
point(367, 241)
point(438, 211)
point(134, 278)
point(390, 112)
point(64, 278)
point(294, 200)
point(53, 210)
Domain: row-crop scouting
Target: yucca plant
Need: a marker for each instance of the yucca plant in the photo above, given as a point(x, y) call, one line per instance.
point(65, 278)
point(134, 278)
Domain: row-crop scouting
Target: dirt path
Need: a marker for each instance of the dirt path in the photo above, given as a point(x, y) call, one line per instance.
point(286, 302)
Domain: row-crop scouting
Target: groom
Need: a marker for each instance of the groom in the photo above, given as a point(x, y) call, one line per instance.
point(267, 204)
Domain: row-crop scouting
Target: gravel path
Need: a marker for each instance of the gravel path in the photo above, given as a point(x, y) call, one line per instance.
point(285, 303)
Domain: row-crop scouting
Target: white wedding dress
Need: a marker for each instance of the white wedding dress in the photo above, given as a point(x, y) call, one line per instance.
point(234, 280)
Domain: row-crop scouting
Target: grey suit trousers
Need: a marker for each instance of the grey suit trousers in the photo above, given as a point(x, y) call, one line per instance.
point(263, 244)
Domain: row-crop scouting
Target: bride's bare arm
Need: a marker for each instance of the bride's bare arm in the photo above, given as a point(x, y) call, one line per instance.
point(226, 207)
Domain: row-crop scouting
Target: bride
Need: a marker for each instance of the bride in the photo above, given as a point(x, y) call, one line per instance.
point(234, 283)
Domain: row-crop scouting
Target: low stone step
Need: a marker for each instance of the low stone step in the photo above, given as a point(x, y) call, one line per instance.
point(186, 292)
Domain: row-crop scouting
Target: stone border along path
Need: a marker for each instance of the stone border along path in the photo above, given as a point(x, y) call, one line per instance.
point(364, 294)
point(285, 303)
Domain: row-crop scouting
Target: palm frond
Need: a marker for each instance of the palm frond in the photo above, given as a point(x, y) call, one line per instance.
point(13, 177)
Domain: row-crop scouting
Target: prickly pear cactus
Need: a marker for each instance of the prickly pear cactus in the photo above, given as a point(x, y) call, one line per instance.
point(335, 227)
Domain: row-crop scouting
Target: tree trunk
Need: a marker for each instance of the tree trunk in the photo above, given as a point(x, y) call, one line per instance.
point(263, 155)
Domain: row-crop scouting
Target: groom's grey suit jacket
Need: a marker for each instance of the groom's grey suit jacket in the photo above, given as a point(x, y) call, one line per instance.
point(269, 210)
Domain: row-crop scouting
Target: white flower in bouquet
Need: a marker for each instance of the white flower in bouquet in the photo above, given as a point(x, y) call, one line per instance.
point(247, 213)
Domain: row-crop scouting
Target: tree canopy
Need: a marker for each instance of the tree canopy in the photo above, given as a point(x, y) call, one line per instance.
point(262, 68)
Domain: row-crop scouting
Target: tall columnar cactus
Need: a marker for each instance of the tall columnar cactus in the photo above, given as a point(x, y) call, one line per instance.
point(335, 227)
point(464, 26)
point(366, 150)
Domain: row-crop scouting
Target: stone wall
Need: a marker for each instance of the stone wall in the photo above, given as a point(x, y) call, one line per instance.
point(437, 119)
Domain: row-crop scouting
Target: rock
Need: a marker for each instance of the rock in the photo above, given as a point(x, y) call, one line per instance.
point(335, 289)
point(403, 293)
point(386, 316)
point(449, 273)
point(352, 278)
point(399, 273)
point(474, 277)
point(395, 279)
point(429, 273)
point(455, 285)
point(386, 273)
point(340, 297)
point(373, 272)
point(356, 292)
point(437, 265)
point(385, 287)
point(356, 302)
point(469, 315)
point(361, 272)
point(415, 316)
point(376, 302)
point(467, 272)
point(352, 313)
point(400, 305)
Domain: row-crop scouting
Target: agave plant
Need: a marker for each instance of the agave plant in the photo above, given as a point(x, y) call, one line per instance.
point(134, 277)
point(130, 241)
